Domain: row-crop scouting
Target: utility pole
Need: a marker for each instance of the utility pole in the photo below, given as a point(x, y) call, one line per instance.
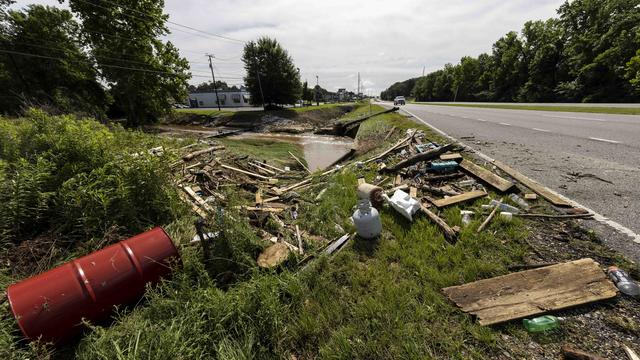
point(317, 87)
point(423, 71)
point(260, 85)
point(358, 93)
point(215, 88)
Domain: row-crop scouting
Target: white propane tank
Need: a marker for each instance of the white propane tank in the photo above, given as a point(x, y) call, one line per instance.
point(367, 220)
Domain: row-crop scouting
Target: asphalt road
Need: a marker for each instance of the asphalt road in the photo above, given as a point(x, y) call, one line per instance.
point(593, 159)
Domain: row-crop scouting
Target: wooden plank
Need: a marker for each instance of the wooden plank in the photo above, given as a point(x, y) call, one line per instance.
point(451, 156)
point(413, 192)
point(244, 172)
point(299, 162)
point(533, 292)
point(449, 233)
point(201, 152)
point(530, 196)
point(199, 200)
point(272, 167)
point(263, 209)
point(261, 168)
point(487, 176)
point(533, 185)
point(459, 198)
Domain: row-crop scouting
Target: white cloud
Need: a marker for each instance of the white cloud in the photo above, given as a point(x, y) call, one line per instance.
point(384, 41)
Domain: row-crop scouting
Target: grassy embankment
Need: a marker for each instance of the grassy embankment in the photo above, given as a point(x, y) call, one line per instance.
point(372, 300)
point(582, 109)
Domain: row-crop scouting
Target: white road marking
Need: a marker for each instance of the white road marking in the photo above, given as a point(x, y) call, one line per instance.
point(538, 129)
point(573, 117)
point(505, 124)
point(598, 217)
point(605, 140)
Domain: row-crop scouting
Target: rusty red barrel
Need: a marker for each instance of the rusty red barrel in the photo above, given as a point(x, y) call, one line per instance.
point(51, 305)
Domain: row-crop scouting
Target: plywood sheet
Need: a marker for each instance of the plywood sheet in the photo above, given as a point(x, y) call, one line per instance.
point(459, 198)
point(487, 176)
point(533, 292)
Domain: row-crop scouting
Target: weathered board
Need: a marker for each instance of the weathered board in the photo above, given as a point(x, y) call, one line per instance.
point(539, 189)
point(459, 198)
point(487, 176)
point(533, 292)
point(451, 156)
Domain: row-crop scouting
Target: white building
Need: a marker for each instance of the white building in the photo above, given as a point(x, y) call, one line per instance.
point(228, 98)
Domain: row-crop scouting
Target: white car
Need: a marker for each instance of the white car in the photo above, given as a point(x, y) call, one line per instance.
point(399, 100)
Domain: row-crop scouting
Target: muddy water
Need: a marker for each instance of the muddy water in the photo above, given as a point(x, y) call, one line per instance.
point(320, 151)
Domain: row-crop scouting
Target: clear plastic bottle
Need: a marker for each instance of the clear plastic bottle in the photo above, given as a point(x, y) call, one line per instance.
point(466, 217)
point(520, 201)
point(503, 207)
point(541, 323)
point(367, 220)
point(623, 281)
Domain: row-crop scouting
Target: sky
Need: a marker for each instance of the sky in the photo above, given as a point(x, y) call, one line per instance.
point(385, 41)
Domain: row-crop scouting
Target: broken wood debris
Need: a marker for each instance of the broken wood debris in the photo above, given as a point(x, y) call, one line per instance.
point(300, 162)
point(532, 292)
point(533, 185)
point(460, 198)
point(487, 176)
point(425, 156)
point(449, 233)
point(488, 219)
point(194, 154)
point(570, 352)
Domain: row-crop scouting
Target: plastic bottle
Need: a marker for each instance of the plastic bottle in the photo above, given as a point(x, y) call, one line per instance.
point(541, 323)
point(623, 282)
point(367, 220)
point(466, 216)
point(520, 201)
point(443, 166)
point(504, 207)
point(506, 216)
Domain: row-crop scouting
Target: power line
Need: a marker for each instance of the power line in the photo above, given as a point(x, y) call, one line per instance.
point(168, 21)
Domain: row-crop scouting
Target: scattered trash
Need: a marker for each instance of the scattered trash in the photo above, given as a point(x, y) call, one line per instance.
point(466, 183)
point(623, 281)
point(530, 196)
point(520, 201)
point(367, 220)
point(274, 255)
point(466, 217)
point(491, 215)
point(506, 216)
point(403, 203)
point(487, 176)
point(504, 207)
point(443, 166)
point(541, 323)
point(532, 292)
point(372, 193)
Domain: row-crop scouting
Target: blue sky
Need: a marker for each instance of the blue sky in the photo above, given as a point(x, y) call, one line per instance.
point(386, 41)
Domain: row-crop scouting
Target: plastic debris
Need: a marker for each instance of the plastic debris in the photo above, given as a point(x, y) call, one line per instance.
point(404, 204)
point(623, 281)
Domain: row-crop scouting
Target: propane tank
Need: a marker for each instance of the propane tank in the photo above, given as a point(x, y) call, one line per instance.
point(367, 220)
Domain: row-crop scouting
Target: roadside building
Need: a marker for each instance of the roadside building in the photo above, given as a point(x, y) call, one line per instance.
point(228, 98)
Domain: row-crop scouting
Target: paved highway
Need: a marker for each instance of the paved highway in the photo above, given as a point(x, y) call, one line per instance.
point(591, 158)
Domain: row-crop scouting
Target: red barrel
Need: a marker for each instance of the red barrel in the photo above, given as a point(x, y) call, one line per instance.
point(51, 305)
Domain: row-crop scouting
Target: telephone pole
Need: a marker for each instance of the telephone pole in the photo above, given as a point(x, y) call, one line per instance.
point(358, 93)
point(317, 87)
point(423, 71)
point(215, 88)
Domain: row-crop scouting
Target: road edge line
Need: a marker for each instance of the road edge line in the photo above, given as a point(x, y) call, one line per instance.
point(596, 216)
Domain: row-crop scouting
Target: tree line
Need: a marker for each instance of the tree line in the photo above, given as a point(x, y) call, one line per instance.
point(589, 53)
point(111, 61)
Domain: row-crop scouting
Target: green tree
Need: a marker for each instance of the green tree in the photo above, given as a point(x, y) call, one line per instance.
point(270, 73)
point(601, 37)
point(46, 66)
point(402, 88)
point(146, 74)
point(542, 50)
point(510, 69)
point(206, 87)
point(633, 72)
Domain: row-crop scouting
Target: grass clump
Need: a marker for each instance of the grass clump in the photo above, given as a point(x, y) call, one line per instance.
point(79, 178)
point(560, 108)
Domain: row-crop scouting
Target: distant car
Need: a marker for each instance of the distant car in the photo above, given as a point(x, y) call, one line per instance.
point(180, 106)
point(399, 100)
